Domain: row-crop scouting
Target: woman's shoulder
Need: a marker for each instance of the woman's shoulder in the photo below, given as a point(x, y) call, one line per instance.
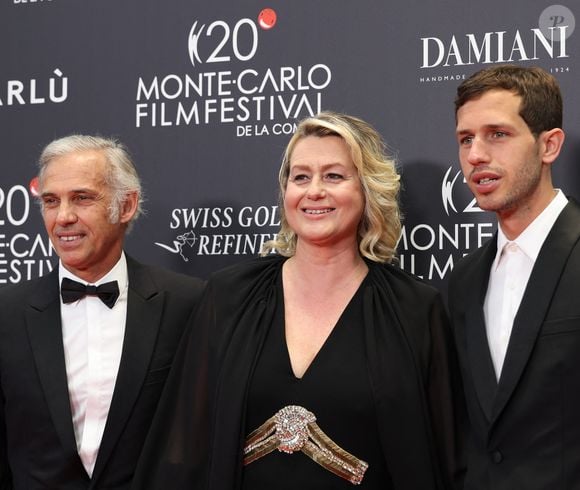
point(251, 270)
point(401, 281)
point(239, 286)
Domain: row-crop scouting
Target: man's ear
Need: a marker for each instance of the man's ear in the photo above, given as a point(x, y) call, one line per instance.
point(129, 207)
point(552, 142)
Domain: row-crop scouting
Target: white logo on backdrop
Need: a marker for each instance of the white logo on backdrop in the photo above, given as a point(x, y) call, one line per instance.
point(23, 256)
point(443, 57)
point(447, 187)
point(231, 85)
point(221, 230)
point(35, 91)
point(430, 250)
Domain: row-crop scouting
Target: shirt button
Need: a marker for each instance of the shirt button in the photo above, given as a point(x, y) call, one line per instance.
point(497, 457)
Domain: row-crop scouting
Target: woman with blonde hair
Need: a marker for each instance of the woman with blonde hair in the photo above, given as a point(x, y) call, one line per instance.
point(321, 364)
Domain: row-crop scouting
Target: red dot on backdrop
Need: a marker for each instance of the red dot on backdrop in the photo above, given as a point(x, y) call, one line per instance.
point(267, 19)
point(33, 186)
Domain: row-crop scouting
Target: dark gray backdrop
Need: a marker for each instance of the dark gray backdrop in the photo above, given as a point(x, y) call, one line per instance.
point(144, 70)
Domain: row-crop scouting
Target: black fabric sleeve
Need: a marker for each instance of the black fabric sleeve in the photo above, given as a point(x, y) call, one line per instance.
point(176, 450)
point(5, 473)
point(445, 397)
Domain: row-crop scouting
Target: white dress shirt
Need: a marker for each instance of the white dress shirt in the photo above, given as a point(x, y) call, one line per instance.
point(509, 277)
point(93, 342)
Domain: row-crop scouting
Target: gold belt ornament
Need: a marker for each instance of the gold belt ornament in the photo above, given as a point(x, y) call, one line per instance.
point(293, 428)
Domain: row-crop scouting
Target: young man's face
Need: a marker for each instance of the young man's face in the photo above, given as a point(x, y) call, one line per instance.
point(500, 157)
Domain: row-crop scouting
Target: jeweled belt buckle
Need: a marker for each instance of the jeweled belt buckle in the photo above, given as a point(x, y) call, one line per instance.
point(293, 428)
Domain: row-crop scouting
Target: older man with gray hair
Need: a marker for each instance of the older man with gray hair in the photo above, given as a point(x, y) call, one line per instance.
point(85, 350)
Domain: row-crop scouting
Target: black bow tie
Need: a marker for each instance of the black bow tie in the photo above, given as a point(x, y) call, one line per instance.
point(72, 291)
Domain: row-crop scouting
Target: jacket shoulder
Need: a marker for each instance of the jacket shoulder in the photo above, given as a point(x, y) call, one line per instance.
point(14, 294)
point(171, 278)
point(179, 284)
point(469, 276)
point(466, 261)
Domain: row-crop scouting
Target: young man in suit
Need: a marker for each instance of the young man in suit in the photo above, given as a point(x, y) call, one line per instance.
point(85, 350)
point(514, 302)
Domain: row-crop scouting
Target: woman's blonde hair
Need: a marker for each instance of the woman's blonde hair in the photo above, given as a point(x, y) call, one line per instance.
point(380, 227)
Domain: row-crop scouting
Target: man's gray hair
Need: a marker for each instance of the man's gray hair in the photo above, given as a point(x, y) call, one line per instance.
point(121, 176)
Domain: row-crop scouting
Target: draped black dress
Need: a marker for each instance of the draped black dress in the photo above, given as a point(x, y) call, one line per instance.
point(403, 370)
point(336, 388)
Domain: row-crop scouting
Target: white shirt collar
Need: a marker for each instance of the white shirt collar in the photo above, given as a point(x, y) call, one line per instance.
point(530, 241)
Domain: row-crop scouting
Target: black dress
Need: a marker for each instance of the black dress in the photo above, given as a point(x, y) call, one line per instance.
point(198, 436)
point(335, 388)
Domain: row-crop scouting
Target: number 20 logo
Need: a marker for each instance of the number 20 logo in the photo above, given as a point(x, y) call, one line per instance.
point(8, 200)
point(220, 32)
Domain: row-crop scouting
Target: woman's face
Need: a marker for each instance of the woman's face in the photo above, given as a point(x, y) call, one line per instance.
point(324, 201)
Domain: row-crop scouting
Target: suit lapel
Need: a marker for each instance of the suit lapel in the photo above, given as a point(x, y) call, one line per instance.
point(144, 309)
point(536, 301)
point(482, 370)
point(43, 325)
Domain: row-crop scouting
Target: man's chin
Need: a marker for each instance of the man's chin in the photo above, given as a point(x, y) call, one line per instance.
point(486, 204)
point(70, 260)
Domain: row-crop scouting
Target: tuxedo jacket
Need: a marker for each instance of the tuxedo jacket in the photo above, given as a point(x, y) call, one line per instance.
point(525, 428)
point(37, 441)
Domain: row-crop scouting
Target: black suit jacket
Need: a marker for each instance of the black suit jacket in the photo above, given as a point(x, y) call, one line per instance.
point(37, 441)
point(525, 428)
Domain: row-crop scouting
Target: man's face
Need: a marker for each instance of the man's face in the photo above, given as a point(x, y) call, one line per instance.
point(500, 157)
point(75, 208)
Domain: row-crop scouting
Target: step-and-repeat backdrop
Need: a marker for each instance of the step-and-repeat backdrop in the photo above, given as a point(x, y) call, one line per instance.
point(207, 94)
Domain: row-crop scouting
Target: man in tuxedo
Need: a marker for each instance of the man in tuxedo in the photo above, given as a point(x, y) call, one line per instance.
point(85, 350)
point(514, 302)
